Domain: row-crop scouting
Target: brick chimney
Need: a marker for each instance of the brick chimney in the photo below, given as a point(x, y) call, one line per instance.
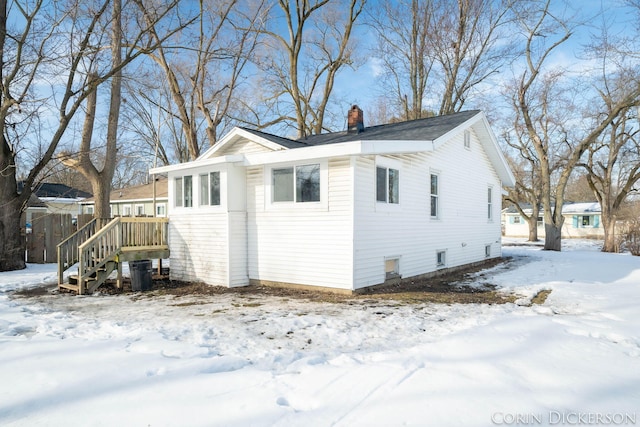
point(355, 122)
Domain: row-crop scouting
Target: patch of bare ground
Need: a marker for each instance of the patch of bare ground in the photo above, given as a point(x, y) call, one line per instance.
point(448, 288)
point(540, 297)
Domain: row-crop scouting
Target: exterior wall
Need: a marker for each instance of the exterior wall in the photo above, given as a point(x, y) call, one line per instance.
point(245, 147)
point(118, 207)
point(302, 243)
point(208, 243)
point(407, 232)
point(572, 227)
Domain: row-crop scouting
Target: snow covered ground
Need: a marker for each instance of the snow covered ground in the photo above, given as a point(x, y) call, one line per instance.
point(245, 360)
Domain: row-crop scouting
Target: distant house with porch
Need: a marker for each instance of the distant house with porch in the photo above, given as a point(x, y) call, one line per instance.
point(581, 220)
point(343, 210)
point(135, 201)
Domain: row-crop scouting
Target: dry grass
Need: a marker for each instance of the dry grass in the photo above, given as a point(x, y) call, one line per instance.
point(449, 288)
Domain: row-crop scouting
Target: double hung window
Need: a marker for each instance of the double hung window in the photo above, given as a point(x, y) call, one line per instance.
point(435, 194)
point(387, 185)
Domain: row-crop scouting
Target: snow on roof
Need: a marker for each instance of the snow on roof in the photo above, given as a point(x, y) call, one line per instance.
point(581, 207)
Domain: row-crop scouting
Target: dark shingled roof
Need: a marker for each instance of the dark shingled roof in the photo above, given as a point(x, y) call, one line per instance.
point(285, 142)
point(413, 130)
point(47, 189)
point(427, 129)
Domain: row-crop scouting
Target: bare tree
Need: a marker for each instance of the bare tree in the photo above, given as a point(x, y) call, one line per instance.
point(204, 68)
point(527, 190)
point(137, 43)
point(613, 167)
point(301, 65)
point(544, 32)
point(56, 44)
point(405, 51)
point(35, 29)
point(442, 52)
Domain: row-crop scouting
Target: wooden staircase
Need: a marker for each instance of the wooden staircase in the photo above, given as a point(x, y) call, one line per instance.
point(101, 246)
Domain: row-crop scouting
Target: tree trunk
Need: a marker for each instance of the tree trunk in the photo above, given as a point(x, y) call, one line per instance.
point(12, 244)
point(533, 228)
point(610, 241)
point(101, 192)
point(552, 237)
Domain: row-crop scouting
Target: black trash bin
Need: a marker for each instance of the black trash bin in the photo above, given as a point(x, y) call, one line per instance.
point(140, 275)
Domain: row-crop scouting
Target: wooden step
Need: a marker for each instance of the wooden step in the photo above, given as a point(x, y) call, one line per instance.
point(68, 286)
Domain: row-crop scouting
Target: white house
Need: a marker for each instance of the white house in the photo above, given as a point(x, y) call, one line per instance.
point(138, 200)
point(581, 220)
point(343, 210)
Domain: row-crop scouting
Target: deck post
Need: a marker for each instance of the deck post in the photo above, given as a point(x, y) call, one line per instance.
point(119, 279)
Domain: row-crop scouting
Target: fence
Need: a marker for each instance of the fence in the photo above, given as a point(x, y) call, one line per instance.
point(46, 232)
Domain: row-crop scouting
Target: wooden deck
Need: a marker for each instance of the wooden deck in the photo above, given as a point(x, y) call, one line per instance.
point(101, 246)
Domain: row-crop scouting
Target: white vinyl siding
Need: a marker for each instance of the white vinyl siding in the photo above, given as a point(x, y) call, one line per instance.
point(461, 231)
point(302, 243)
point(199, 246)
point(243, 146)
point(209, 243)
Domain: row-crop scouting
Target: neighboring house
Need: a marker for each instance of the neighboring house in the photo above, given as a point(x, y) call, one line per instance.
point(135, 201)
point(54, 198)
point(581, 220)
point(343, 210)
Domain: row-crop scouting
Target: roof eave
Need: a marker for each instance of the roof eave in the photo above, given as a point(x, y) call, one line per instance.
point(352, 148)
point(197, 163)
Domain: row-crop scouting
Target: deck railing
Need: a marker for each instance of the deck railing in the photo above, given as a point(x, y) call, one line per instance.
point(121, 233)
point(68, 248)
point(101, 240)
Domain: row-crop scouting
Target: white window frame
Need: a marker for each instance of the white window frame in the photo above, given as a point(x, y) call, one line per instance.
point(90, 210)
point(126, 210)
point(467, 139)
point(516, 219)
point(180, 198)
point(487, 251)
point(443, 263)
point(387, 184)
point(164, 209)
point(205, 179)
point(322, 204)
point(490, 203)
point(435, 195)
point(139, 205)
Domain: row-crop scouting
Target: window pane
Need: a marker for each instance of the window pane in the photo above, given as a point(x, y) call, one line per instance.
point(282, 185)
point(381, 184)
point(394, 186)
point(215, 188)
point(434, 195)
point(434, 184)
point(178, 191)
point(308, 183)
point(489, 204)
point(204, 190)
point(188, 191)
